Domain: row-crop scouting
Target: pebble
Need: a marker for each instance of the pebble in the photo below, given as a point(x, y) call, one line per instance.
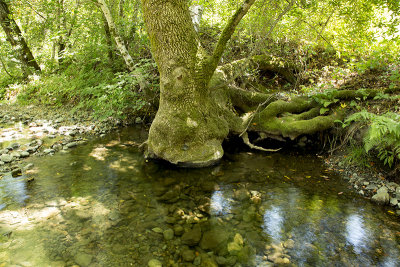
point(154, 263)
point(381, 196)
point(289, 244)
point(24, 154)
point(29, 166)
point(393, 201)
point(49, 151)
point(157, 230)
point(188, 255)
point(72, 144)
point(16, 172)
point(83, 259)
point(178, 230)
point(6, 158)
point(168, 234)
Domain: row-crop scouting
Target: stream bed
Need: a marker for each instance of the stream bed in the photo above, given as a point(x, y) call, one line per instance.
point(103, 204)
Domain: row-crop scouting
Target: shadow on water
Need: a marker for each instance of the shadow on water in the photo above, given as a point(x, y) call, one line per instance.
point(102, 204)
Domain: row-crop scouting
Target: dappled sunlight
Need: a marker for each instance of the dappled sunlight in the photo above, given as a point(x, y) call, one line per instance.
point(113, 143)
point(124, 164)
point(86, 167)
point(25, 228)
point(99, 153)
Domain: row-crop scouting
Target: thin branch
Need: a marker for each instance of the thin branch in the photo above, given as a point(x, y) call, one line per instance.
point(5, 68)
point(252, 116)
point(286, 10)
point(326, 23)
point(316, 30)
point(226, 35)
point(313, 27)
point(37, 12)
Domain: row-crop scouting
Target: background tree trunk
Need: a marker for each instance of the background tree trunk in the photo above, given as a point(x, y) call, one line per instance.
point(108, 41)
point(114, 32)
point(14, 36)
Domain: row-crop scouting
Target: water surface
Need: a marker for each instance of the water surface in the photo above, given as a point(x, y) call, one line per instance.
point(102, 204)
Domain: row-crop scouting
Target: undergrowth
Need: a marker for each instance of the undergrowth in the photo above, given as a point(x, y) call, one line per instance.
point(383, 135)
point(97, 89)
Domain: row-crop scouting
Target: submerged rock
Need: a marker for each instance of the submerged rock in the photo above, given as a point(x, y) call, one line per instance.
point(188, 255)
point(192, 237)
point(214, 238)
point(16, 172)
point(168, 234)
point(83, 259)
point(154, 263)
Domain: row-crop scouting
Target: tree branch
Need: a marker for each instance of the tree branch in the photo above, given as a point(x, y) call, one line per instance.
point(286, 10)
point(37, 12)
point(225, 36)
point(5, 68)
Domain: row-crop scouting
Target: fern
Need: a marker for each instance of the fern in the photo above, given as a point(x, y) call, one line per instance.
point(383, 134)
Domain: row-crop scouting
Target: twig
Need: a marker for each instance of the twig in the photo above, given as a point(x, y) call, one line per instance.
point(37, 12)
point(254, 113)
point(246, 140)
point(5, 68)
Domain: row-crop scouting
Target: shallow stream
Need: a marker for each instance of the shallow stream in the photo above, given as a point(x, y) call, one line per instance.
point(102, 204)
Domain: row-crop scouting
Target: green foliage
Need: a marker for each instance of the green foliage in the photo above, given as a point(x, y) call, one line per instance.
point(120, 96)
point(325, 100)
point(123, 96)
point(383, 134)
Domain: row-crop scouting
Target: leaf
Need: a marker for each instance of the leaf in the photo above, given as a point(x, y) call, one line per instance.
point(327, 103)
point(323, 110)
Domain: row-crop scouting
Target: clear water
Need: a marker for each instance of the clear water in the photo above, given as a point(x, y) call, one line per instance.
point(102, 204)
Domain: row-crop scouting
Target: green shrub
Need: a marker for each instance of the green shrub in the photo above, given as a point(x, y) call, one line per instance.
point(383, 134)
point(95, 88)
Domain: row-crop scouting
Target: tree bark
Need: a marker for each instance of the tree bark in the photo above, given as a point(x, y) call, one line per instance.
point(17, 41)
point(108, 41)
point(63, 40)
point(190, 124)
point(114, 32)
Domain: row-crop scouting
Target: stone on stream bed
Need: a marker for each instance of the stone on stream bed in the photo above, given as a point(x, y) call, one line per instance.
point(168, 234)
point(24, 154)
point(381, 196)
point(16, 172)
point(192, 237)
point(83, 259)
point(6, 158)
point(49, 151)
point(154, 263)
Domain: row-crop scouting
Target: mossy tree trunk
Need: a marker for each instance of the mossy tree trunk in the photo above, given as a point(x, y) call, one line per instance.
point(199, 105)
point(190, 125)
point(17, 41)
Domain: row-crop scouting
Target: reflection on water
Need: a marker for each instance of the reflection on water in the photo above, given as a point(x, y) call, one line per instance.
point(103, 205)
point(12, 191)
point(273, 223)
point(356, 233)
point(219, 204)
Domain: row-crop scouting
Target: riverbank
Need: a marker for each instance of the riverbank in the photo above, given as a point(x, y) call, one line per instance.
point(28, 131)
